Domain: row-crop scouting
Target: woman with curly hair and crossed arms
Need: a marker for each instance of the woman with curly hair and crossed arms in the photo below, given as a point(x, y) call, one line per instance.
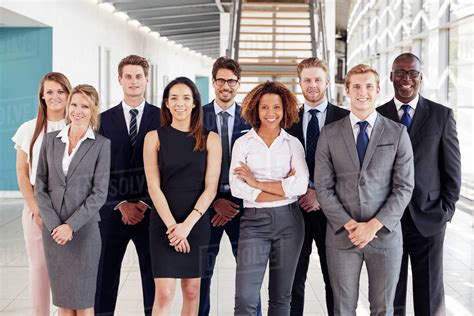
point(269, 172)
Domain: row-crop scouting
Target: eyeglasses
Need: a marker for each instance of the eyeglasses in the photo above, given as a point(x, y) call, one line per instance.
point(230, 82)
point(402, 73)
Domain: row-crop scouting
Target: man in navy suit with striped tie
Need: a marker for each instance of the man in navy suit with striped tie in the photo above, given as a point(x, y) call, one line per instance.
point(125, 216)
point(223, 117)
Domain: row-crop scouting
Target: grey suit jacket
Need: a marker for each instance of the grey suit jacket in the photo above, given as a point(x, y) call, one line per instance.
point(381, 188)
point(76, 198)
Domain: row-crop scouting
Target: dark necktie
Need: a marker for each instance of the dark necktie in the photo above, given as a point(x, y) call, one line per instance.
point(133, 126)
point(312, 135)
point(362, 140)
point(406, 118)
point(225, 164)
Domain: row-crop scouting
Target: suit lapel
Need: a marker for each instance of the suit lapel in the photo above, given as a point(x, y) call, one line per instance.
point(119, 122)
point(374, 140)
point(348, 136)
point(210, 117)
point(145, 122)
point(299, 128)
point(81, 151)
point(58, 154)
point(330, 115)
point(238, 122)
point(392, 112)
point(421, 115)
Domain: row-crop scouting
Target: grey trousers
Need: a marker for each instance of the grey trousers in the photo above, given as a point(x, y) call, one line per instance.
point(383, 269)
point(273, 235)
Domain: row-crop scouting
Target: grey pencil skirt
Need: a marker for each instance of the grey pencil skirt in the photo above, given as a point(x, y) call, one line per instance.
point(72, 268)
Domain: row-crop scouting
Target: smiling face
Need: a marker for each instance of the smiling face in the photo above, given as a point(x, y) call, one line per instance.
point(225, 93)
point(270, 111)
point(54, 96)
point(363, 91)
point(180, 102)
point(133, 81)
point(313, 83)
point(406, 88)
point(79, 111)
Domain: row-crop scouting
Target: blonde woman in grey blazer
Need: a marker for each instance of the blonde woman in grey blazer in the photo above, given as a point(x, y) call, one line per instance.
point(71, 186)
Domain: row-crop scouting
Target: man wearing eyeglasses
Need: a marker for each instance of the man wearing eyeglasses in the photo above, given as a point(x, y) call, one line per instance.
point(223, 117)
point(432, 131)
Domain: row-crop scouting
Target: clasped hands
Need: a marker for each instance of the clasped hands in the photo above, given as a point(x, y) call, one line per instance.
point(62, 234)
point(132, 213)
point(225, 211)
point(361, 233)
point(177, 236)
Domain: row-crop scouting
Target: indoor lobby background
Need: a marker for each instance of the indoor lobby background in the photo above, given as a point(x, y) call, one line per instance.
point(86, 39)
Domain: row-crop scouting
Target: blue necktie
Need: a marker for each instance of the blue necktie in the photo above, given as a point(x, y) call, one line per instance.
point(406, 118)
point(312, 135)
point(362, 140)
point(133, 126)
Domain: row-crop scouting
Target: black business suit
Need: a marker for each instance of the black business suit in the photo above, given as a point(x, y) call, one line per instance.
point(437, 187)
point(315, 227)
point(127, 183)
point(232, 227)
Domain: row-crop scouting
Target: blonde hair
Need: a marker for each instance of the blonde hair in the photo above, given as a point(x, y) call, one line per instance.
point(91, 95)
point(359, 70)
point(312, 62)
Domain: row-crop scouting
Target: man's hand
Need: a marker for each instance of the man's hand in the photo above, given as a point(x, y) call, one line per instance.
point(225, 209)
point(309, 202)
point(177, 233)
point(350, 226)
point(62, 234)
point(219, 220)
point(365, 232)
point(132, 213)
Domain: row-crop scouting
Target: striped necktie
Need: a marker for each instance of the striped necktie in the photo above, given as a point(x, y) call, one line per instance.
point(133, 126)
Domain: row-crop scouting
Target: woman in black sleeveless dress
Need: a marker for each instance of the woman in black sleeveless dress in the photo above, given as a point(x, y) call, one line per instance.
point(182, 167)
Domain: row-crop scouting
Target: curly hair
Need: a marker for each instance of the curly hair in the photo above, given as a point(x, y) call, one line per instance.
point(249, 109)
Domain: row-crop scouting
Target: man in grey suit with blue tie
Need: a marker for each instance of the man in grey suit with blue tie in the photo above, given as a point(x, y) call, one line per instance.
point(364, 178)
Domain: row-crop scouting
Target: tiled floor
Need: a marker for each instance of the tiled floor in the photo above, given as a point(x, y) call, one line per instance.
point(14, 296)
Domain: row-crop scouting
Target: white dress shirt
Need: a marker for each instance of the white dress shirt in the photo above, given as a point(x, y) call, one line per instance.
point(321, 115)
point(412, 105)
point(269, 164)
point(24, 136)
point(230, 122)
point(355, 127)
point(126, 114)
point(64, 135)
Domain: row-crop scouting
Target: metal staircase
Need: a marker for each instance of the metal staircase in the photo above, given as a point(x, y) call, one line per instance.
point(269, 39)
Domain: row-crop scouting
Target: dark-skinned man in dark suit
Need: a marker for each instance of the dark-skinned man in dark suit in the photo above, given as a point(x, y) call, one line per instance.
point(432, 131)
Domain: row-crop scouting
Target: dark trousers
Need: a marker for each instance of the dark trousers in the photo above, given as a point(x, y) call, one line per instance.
point(426, 258)
point(315, 229)
point(274, 236)
point(232, 231)
point(115, 238)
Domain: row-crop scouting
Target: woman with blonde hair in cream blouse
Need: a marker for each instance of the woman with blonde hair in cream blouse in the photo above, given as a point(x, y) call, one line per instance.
point(71, 186)
point(54, 89)
point(269, 172)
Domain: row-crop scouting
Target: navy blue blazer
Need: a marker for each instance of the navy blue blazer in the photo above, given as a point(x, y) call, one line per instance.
point(437, 164)
point(210, 123)
point(127, 176)
point(334, 113)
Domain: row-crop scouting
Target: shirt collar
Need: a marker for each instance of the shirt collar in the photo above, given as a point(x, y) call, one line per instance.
point(218, 109)
point(64, 133)
point(127, 107)
point(253, 134)
point(321, 108)
point(370, 119)
point(412, 103)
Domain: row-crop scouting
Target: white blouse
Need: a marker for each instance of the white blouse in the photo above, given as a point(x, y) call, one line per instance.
point(23, 137)
point(269, 164)
point(64, 135)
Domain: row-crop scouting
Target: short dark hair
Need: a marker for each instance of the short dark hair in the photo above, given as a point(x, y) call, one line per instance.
point(249, 109)
point(134, 60)
point(406, 55)
point(226, 63)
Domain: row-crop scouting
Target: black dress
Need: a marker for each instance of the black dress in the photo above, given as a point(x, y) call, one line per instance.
point(182, 175)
